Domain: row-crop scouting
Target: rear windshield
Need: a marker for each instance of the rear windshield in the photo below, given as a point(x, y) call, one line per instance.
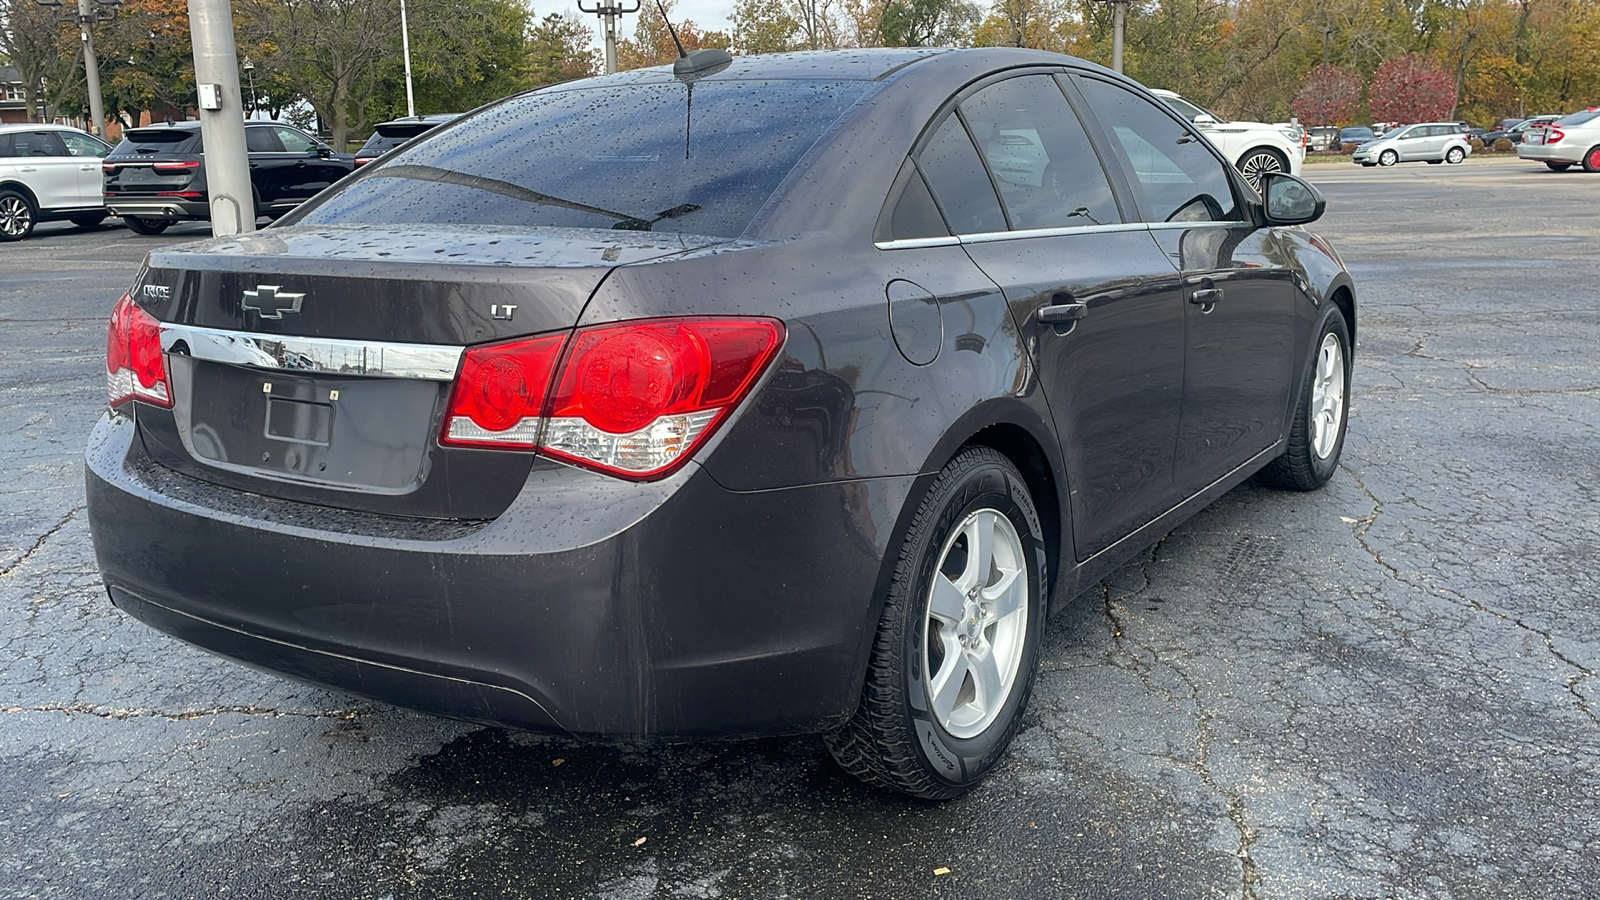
point(150, 140)
point(379, 143)
point(1578, 118)
point(692, 157)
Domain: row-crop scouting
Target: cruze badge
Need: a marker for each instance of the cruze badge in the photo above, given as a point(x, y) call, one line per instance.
point(270, 303)
point(157, 292)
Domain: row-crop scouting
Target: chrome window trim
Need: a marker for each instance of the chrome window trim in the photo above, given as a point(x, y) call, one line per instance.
point(991, 236)
point(315, 356)
point(1189, 226)
point(917, 243)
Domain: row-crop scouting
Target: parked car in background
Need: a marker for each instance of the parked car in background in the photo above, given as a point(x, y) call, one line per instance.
point(1515, 132)
point(1433, 142)
point(1356, 134)
point(583, 416)
point(156, 176)
point(49, 173)
point(1568, 141)
point(1322, 138)
point(1253, 147)
point(388, 135)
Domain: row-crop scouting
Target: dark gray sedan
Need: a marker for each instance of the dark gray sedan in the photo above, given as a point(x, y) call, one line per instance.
point(747, 396)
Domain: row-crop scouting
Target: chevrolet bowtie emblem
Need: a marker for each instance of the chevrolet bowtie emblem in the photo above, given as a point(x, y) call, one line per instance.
point(269, 303)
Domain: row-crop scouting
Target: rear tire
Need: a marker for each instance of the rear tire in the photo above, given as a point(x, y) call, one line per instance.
point(1317, 437)
point(17, 215)
point(145, 226)
point(1455, 155)
point(87, 221)
point(1558, 167)
point(1591, 160)
point(958, 642)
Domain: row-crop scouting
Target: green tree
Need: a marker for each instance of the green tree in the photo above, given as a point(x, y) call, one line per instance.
point(559, 50)
point(927, 23)
point(764, 26)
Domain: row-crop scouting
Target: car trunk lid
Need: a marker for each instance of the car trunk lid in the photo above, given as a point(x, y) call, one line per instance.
point(315, 364)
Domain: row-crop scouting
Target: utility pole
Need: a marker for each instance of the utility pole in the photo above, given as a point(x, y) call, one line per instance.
point(611, 11)
point(91, 67)
point(1326, 33)
point(85, 17)
point(1119, 21)
point(405, 50)
point(216, 74)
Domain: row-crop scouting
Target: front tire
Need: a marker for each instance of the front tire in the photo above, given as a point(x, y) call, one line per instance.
point(1260, 161)
point(145, 226)
point(17, 216)
point(1317, 437)
point(958, 642)
point(1388, 158)
point(1455, 155)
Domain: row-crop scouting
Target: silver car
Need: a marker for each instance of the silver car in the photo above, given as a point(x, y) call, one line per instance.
point(1433, 142)
point(1568, 141)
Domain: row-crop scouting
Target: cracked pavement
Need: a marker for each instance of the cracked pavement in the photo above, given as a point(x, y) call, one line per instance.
point(1385, 689)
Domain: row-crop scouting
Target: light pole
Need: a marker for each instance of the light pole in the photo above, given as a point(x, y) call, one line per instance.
point(610, 11)
point(1119, 21)
point(86, 15)
point(216, 75)
point(405, 50)
point(250, 74)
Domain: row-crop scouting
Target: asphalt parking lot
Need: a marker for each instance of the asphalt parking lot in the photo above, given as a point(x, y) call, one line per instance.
point(1382, 690)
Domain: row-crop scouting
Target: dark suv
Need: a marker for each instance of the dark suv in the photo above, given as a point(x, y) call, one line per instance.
point(155, 177)
point(389, 135)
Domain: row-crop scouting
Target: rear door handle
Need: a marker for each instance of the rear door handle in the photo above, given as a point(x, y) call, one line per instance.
point(1062, 312)
point(1205, 295)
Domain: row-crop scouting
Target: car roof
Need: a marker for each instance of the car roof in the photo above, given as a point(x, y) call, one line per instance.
point(192, 125)
point(39, 126)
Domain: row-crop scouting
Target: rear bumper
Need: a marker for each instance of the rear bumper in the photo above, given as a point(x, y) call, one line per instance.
point(158, 208)
point(1551, 152)
point(591, 607)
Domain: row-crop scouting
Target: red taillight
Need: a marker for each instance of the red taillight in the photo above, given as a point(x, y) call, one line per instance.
point(109, 166)
point(363, 160)
point(175, 168)
point(632, 399)
point(499, 393)
point(1553, 135)
point(135, 369)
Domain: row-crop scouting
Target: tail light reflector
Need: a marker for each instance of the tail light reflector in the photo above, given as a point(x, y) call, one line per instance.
point(135, 369)
point(633, 399)
point(176, 168)
point(499, 392)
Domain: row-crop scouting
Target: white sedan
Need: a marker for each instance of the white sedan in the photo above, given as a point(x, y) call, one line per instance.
point(1566, 142)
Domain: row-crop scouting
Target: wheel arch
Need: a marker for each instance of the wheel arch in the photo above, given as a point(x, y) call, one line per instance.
point(1257, 148)
point(22, 189)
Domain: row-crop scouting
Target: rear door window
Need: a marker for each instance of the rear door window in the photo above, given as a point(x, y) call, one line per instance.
point(1039, 154)
point(699, 157)
point(959, 181)
point(37, 144)
point(1175, 174)
point(261, 140)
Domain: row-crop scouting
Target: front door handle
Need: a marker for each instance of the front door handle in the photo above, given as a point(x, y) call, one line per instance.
point(1205, 296)
point(1062, 312)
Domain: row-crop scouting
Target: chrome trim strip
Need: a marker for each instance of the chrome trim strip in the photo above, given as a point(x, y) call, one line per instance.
point(315, 356)
point(917, 243)
point(1187, 226)
point(991, 236)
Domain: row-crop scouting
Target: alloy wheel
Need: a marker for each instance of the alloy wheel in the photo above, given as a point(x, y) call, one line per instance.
point(1327, 397)
point(1257, 164)
point(15, 216)
point(976, 623)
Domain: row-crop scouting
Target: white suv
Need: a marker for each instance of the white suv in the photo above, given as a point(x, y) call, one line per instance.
point(49, 172)
point(1254, 147)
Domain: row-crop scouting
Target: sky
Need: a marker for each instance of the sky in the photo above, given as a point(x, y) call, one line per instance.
point(710, 15)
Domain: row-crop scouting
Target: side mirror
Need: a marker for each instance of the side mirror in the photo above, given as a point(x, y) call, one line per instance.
point(1288, 200)
point(1206, 119)
point(324, 151)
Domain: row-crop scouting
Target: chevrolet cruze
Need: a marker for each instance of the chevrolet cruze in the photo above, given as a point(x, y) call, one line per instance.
point(747, 396)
